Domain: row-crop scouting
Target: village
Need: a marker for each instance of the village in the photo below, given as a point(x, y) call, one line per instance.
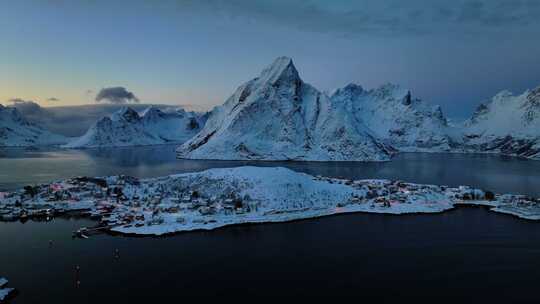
point(120, 201)
point(221, 197)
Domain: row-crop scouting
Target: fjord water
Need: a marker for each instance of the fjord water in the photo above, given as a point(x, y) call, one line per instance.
point(19, 167)
point(467, 252)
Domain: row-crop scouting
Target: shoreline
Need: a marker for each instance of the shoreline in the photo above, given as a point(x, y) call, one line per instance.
point(216, 198)
point(485, 207)
point(246, 224)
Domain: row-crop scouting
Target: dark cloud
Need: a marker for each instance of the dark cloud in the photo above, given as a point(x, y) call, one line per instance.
point(53, 99)
point(375, 16)
point(116, 95)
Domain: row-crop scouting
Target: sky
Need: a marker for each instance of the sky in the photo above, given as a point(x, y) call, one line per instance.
point(452, 53)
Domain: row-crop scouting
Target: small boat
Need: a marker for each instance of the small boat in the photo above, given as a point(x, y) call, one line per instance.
point(81, 233)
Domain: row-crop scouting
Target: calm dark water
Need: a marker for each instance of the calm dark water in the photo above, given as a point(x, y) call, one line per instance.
point(468, 253)
point(498, 173)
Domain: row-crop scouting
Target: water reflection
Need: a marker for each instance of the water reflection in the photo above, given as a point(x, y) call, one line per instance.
point(361, 254)
point(502, 174)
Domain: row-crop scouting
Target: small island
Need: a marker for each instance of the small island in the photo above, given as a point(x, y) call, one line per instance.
point(220, 197)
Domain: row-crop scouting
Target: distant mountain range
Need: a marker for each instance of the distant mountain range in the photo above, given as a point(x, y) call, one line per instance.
point(506, 124)
point(17, 131)
point(152, 127)
point(277, 116)
point(74, 121)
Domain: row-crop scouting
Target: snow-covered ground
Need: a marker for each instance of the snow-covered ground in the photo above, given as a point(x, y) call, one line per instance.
point(152, 127)
point(16, 131)
point(4, 291)
point(220, 197)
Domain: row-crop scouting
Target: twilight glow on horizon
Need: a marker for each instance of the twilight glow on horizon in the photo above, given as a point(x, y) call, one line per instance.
point(452, 53)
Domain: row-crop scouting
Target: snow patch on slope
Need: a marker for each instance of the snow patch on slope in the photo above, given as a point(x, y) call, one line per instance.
point(397, 118)
point(152, 127)
point(4, 291)
point(279, 117)
point(16, 131)
point(506, 124)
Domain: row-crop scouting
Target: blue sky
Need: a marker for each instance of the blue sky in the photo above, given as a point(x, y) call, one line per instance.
point(452, 53)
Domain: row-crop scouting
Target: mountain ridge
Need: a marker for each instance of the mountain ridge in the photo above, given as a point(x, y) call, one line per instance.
point(126, 127)
point(277, 116)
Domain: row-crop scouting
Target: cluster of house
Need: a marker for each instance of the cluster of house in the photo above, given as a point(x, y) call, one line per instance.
point(385, 193)
point(124, 201)
point(42, 202)
point(117, 201)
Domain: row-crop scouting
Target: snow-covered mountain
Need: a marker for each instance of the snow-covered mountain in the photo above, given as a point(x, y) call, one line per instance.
point(396, 118)
point(506, 124)
point(16, 131)
point(75, 120)
point(152, 127)
point(277, 116)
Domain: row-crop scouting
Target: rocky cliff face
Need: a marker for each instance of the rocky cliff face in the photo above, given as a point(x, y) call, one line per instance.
point(507, 124)
point(396, 118)
point(277, 116)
